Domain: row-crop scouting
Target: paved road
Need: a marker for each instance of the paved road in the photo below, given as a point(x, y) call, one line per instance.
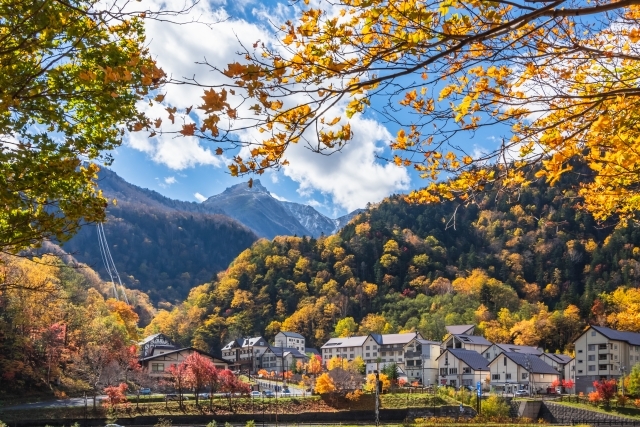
point(271, 385)
point(61, 403)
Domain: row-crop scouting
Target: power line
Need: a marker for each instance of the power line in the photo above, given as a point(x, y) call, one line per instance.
point(110, 266)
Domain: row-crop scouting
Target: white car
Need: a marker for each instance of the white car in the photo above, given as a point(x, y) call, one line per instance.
point(521, 393)
point(255, 394)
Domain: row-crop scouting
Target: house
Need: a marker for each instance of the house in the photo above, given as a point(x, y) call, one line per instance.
point(512, 371)
point(421, 361)
point(603, 353)
point(347, 348)
point(157, 365)
point(460, 367)
point(243, 354)
point(281, 359)
point(460, 329)
point(466, 342)
point(496, 349)
point(391, 348)
point(558, 361)
point(156, 344)
point(290, 340)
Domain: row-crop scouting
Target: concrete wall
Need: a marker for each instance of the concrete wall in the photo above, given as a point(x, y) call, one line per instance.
point(555, 413)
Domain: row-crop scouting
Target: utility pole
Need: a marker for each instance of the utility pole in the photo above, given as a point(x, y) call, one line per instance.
point(377, 394)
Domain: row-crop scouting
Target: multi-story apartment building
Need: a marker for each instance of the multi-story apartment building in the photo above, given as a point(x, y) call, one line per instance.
point(496, 349)
point(290, 340)
point(245, 353)
point(604, 353)
point(414, 356)
point(460, 367)
point(512, 371)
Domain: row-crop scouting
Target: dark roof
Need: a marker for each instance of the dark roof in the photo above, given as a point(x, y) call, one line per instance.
point(470, 357)
point(628, 337)
point(459, 329)
point(291, 334)
point(279, 351)
point(473, 339)
point(562, 359)
point(531, 363)
point(512, 348)
point(204, 353)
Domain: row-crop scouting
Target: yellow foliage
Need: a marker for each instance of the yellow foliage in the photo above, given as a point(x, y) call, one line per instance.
point(324, 384)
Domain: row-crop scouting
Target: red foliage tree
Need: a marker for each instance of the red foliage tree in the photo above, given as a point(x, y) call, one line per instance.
point(178, 375)
point(199, 369)
point(231, 384)
point(568, 384)
point(606, 390)
point(116, 394)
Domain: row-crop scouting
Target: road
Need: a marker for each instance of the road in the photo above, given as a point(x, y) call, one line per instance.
point(61, 403)
point(271, 385)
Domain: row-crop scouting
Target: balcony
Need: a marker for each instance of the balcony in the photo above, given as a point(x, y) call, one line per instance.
point(412, 355)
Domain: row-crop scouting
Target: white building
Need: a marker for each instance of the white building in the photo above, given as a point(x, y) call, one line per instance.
point(460, 367)
point(467, 342)
point(245, 353)
point(290, 340)
point(521, 371)
point(559, 362)
point(280, 359)
point(604, 353)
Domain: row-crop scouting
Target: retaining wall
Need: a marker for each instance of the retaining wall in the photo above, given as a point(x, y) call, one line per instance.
point(560, 414)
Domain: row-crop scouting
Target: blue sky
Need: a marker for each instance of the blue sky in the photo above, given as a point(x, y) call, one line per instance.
point(187, 169)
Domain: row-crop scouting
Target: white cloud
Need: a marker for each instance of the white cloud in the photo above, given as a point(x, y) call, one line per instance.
point(170, 180)
point(349, 178)
point(199, 197)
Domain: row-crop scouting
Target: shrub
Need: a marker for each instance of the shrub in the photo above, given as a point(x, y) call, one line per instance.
point(163, 422)
point(622, 400)
point(354, 396)
point(594, 398)
point(494, 407)
point(212, 423)
point(250, 424)
point(636, 403)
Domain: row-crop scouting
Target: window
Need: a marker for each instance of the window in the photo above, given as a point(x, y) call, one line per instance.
point(487, 355)
point(410, 363)
point(603, 367)
point(579, 351)
point(579, 371)
point(508, 376)
point(453, 371)
point(615, 346)
point(591, 347)
point(375, 354)
point(466, 370)
point(602, 357)
point(541, 376)
point(351, 356)
point(443, 371)
point(367, 348)
point(157, 367)
point(525, 375)
point(505, 361)
point(593, 333)
point(591, 357)
point(384, 353)
point(367, 355)
point(602, 346)
point(580, 360)
point(419, 362)
point(495, 376)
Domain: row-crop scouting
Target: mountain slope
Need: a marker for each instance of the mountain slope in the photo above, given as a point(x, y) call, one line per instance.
point(160, 246)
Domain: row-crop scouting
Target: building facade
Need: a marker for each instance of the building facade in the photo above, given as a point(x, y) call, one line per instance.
point(460, 367)
point(497, 349)
point(157, 365)
point(244, 354)
point(290, 340)
point(512, 371)
point(604, 353)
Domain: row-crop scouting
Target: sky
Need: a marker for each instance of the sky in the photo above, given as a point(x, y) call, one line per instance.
point(187, 168)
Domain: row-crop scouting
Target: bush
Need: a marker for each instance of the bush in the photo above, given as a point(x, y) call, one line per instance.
point(163, 422)
point(212, 423)
point(622, 400)
point(250, 424)
point(494, 407)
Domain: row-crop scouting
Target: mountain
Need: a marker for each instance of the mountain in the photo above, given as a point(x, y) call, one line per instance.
point(530, 270)
point(256, 208)
point(160, 246)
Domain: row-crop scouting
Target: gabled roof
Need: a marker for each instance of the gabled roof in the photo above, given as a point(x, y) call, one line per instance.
point(632, 338)
point(291, 334)
point(525, 349)
point(153, 337)
point(530, 362)
point(424, 342)
point(561, 359)
point(389, 339)
point(345, 342)
point(233, 344)
point(459, 329)
point(279, 351)
point(204, 353)
point(472, 358)
point(245, 342)
point(473, 339)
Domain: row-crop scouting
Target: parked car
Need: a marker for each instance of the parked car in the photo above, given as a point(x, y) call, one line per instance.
point(286, 393)
point(204, 395)
point(268, 393)
point(145, 391)
point(255, 394)
point(173, 396)
point(521, 393)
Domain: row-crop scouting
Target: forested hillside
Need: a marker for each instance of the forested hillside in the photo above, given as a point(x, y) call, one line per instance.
point(160, 246)
point(530, 270)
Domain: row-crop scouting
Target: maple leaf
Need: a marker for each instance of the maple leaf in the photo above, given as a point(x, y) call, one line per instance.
point(188, 130)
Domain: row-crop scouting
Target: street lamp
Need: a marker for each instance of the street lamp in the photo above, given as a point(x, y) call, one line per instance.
point(622, 382)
